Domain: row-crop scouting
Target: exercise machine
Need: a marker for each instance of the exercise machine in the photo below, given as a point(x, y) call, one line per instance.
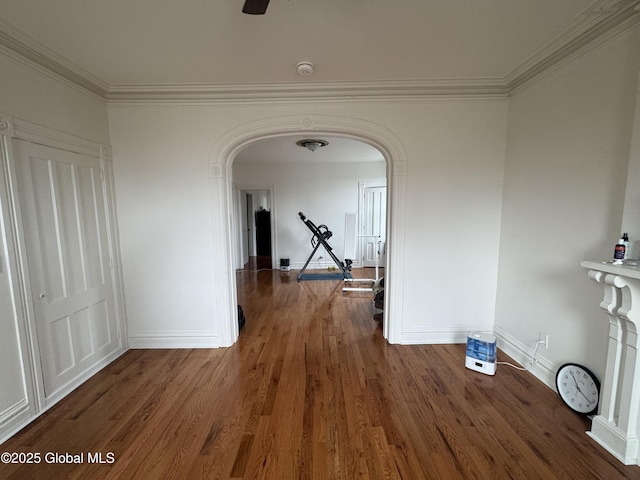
point(372, 281)
point(321, 235)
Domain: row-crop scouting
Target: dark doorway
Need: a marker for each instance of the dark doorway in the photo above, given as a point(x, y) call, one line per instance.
point(263, 238)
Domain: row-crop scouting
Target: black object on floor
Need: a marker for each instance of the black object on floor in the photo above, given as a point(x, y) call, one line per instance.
point(241, 319)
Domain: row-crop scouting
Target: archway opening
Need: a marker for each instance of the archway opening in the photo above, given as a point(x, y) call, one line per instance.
point(339, 184)
point(223, 189)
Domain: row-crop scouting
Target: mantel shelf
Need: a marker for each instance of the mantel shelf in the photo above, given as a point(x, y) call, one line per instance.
point(624, 270)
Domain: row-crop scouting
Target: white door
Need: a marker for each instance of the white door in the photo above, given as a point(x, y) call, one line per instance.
point(63, 209)
point(373, 226)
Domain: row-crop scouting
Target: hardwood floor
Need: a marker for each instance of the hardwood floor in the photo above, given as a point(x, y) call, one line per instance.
point(258, 263)
point(311, 391)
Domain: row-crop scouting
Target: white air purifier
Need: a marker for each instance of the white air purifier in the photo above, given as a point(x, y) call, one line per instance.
point(481, 353)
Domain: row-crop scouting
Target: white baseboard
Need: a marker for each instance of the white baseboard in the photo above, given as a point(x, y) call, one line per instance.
point(174, 339)
point(437, 335)
point(543, 369)
point(14, 419)
point(13, 411)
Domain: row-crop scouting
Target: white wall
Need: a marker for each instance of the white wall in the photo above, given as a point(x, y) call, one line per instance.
point(567, 153)
point(631, 213)
point(324, 193)
point(455, 156)
point(28, 94)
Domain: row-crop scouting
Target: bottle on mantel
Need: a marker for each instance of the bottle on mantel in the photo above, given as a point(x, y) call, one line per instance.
point(618, 252)
point(625, 237)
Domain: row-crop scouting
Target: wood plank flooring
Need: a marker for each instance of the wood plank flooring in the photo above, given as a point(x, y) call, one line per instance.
point(311, 391)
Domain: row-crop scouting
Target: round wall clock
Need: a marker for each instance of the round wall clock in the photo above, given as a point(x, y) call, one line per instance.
point(578, 388)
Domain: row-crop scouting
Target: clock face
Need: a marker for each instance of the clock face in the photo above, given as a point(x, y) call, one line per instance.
point(578, 388)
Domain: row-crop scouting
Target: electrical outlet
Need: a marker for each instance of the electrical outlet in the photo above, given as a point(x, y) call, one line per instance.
point(544, 338)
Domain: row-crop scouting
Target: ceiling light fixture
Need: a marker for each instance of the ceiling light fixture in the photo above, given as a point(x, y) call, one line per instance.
point(312, 144)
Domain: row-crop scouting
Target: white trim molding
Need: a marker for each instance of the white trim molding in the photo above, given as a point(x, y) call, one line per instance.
point(439, 335)
point(174, 339)
point(14, 410)
point(48, 62)
point(14, 418)
point(600, 18)
point(34, 133)
point(308, 92)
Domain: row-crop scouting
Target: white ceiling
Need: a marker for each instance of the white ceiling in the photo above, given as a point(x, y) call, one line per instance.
point(210, 42)
point(203, 49)
point(280, 150)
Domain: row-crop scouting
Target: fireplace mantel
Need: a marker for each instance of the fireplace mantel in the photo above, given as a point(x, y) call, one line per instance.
point(616, 426)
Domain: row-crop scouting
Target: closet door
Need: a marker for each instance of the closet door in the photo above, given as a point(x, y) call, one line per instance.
point(63, 209)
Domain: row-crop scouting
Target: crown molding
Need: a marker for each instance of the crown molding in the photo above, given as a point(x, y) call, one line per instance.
point(525, 82)
point(380, 90)
point(40, 55)
point(601, 18)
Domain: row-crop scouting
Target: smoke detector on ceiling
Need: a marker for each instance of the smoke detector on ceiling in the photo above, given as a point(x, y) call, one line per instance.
point(305, 68)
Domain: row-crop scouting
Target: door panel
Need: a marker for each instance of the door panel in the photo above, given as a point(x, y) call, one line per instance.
point(374, 226)
point(66, 237)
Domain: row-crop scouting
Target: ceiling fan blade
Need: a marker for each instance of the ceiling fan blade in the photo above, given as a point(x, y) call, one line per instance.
point(255, 7)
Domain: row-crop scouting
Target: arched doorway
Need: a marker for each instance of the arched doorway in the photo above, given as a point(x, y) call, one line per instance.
point(220, 174)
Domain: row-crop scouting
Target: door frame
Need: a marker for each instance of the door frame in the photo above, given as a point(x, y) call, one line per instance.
point(362, 186)
point(224, 233)
point(238, 191)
